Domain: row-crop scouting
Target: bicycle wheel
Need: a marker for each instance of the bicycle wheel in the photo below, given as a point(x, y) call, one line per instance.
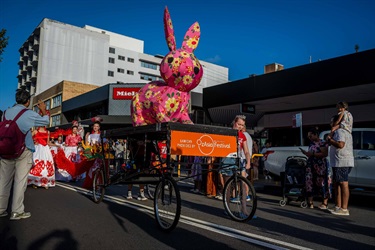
point(240, 200)
point(98, 186)
point(150, 188)
point(167, 204)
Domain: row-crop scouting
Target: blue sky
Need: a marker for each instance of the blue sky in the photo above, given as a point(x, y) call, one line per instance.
point(243, 35)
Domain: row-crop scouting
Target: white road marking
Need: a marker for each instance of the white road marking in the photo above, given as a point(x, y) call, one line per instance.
point(223, 230)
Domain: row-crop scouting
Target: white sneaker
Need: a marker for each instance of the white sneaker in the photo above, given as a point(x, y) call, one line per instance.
point(17, 216)
point(341, 212)
point(219, 197)
point(130, 196)
point(334, 209)
point(142, 198)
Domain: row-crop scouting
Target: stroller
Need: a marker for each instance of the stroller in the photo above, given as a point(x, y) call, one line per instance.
point(293, 184)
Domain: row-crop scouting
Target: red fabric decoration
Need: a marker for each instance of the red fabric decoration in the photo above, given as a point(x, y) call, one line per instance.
point(68, 131)
point(73, 168)
point(57, 133)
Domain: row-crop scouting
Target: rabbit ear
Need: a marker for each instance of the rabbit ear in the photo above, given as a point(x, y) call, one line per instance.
point(168, 30)
point(191, 38)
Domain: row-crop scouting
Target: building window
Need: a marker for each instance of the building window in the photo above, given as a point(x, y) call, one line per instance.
point(122, 58)
point(120, 70)
point(55, 120)
point(111, 60)
point(131, 60)
point(56, 101)
point(129, 72)
point(148, 77)
point(111, 73)
point(149, 65)
point(48, 104)
point(112, 50)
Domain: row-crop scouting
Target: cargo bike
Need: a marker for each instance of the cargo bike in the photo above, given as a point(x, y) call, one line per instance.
point(152, 170)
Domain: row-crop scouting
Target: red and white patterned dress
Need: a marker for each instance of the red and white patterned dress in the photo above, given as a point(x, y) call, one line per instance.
point(42, 173)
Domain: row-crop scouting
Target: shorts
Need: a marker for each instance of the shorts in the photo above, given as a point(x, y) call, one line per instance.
point(228, 170)
point(341, 174)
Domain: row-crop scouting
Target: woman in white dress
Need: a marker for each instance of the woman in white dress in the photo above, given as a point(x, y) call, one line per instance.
point(42, 174)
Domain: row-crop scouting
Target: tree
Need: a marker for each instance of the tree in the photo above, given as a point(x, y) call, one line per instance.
point(356, 47)
point(3, 42)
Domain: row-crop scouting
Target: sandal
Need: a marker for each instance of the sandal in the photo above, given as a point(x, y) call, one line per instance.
point(323, 206)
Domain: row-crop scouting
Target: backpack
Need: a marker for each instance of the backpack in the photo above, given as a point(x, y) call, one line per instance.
point(12, 140)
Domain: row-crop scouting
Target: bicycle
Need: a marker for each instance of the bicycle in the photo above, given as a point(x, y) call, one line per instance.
point(239, 196)
point(166, 195)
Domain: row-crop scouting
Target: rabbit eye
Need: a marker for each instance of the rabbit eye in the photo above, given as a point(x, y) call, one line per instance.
point(170, 59)
point(196, 70)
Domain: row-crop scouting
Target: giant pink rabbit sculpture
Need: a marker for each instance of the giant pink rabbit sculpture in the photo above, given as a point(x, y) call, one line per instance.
point(160, 101)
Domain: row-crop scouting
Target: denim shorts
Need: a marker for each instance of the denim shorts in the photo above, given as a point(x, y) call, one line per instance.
point(340, 174)
point(228, 170)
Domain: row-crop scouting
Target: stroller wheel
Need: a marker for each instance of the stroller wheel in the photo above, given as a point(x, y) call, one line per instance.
point(304, 204)
point(282, 202)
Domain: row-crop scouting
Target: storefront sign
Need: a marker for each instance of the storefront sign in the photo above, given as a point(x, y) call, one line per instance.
point(198, 144)
point(124, 93)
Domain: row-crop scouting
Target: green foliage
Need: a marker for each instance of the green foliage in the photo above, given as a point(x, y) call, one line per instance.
point(3, 42)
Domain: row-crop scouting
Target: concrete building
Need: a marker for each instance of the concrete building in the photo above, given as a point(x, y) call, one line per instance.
point(56, 52)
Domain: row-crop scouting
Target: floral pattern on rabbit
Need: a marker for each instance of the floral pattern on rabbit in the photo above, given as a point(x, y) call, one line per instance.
point(168, 100)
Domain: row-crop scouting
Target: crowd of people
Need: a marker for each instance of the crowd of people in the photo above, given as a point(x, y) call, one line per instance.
point(45, 157)
point(323, 179)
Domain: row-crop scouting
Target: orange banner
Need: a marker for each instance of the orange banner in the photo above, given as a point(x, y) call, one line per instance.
point(198, 144)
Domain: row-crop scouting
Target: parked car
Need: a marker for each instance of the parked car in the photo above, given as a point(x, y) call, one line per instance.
point(363, 173)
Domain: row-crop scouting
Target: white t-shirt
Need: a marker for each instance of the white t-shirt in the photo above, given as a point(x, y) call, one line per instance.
point(342, 157)
point(249, 141)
